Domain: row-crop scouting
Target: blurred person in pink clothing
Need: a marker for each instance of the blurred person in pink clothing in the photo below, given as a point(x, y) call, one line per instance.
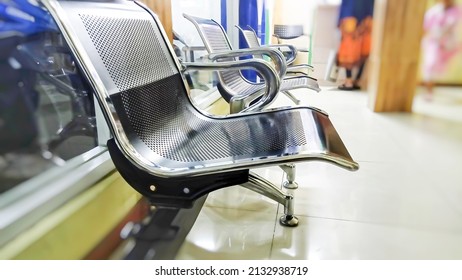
point(440, 40)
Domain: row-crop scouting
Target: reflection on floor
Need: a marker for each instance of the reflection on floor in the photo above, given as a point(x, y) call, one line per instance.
point(403, 203)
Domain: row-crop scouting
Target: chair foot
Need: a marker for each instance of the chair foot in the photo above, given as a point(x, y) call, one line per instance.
point(290, 185)
point(288, 221)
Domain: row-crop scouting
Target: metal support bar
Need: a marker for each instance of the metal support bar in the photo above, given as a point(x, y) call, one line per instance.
point(290, 171)
point(264, 187)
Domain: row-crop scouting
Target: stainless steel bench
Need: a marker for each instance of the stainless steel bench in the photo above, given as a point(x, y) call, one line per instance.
point(163, 146)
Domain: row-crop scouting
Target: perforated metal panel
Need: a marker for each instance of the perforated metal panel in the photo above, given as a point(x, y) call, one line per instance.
point(234, 80)
point(215, 37)
point(174, 130)
point(299, 82)
point(251, 39)
point(129, 48)
point(288, 31)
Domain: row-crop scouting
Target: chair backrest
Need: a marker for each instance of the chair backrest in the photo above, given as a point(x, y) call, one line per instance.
point(250, 37)
point(212, 33)
point(215, 40)
point(288, 31)
point(124, 53)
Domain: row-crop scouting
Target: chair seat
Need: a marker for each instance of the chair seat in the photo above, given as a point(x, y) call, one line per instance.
point(299, 82)
point(184, 142)
point(288, 83)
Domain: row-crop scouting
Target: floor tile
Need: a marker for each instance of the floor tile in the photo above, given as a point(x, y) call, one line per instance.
point(221, 233)
point(446, 103)
point(237, 197)
point(381, 193)
point(331, 239)
point(318, 238)
point(419, 133)
point(372, 146)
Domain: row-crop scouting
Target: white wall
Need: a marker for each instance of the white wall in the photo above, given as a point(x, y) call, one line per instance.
point(295, 12)
point(326, 37)
point(319, 18)
point(232, 19)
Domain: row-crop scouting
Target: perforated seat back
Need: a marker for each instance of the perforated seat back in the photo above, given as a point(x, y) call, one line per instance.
point(125, 56)
point(251, 39)
point(288, 31)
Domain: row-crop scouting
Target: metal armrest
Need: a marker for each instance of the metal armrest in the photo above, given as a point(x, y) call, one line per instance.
point(241, 102)
point(252, 40)
point(305, 50)
point(299, 68)
point(190, 50)
point(276, 56)
point(194, 48)
point(292, 48)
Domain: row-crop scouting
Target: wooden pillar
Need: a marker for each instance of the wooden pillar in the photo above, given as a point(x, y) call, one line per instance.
point(163, 9)
point(394, 60)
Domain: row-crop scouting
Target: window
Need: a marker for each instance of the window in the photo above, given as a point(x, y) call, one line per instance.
point(50, 125)
point(47, 113)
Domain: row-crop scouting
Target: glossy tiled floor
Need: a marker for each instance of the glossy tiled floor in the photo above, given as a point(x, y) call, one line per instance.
point(405, 202)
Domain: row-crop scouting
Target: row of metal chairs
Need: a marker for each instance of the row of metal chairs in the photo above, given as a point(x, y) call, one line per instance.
point(232, 83)
point(290, 51)
point(165, 147)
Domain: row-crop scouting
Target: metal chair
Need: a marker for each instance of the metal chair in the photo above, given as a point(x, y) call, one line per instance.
point(282, 31)
point(232, 82)
point(252, 41)
point(289, 32)
point(162, 145)
point(293, 33)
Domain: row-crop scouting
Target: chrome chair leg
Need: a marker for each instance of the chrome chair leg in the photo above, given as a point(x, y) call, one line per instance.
point(291, 97)
point(264, 187)
point(289, 169)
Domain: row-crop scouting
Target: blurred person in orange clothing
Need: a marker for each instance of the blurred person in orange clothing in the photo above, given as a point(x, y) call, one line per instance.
point(440, 41)
point(355, 25)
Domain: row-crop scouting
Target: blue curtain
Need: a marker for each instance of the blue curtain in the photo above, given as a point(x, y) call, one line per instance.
point(223, 15)
point(248, 15)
